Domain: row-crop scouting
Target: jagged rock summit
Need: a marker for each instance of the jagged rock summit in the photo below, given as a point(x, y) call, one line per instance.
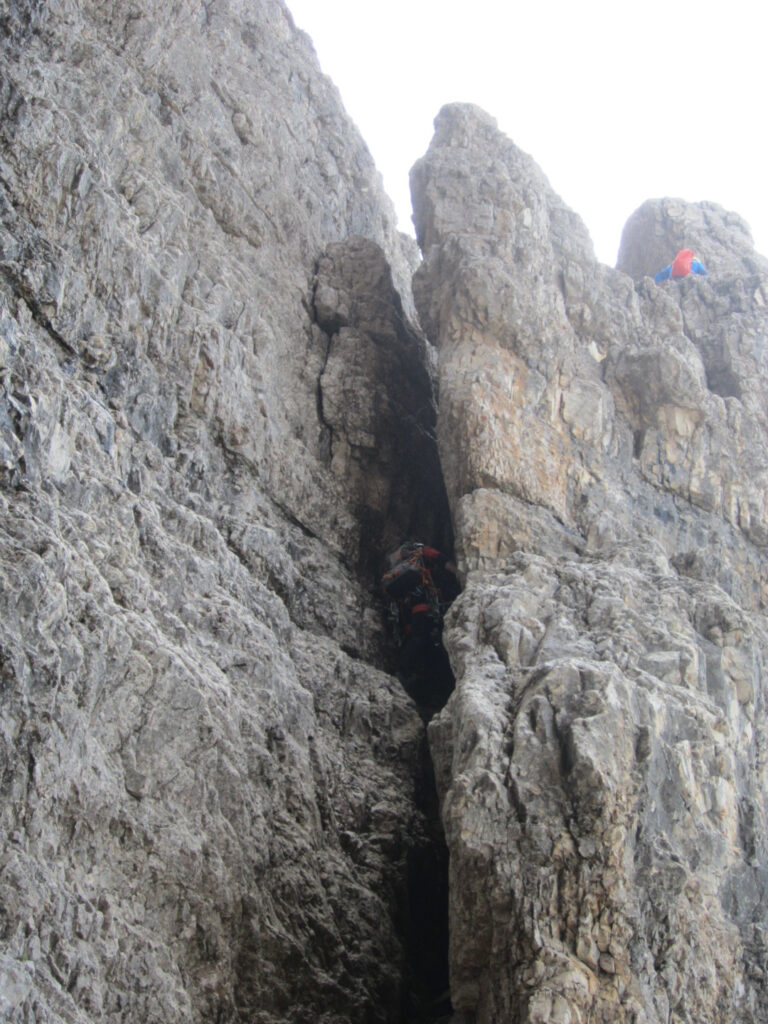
point(218, 408)
point(602, 761)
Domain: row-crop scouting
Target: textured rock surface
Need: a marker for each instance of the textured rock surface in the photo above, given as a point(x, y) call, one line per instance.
point(602, 762)
point(215, 413)
point(214, 801)
point(655, 232)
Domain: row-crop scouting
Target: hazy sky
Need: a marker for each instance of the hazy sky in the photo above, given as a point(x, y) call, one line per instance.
point(617, 102)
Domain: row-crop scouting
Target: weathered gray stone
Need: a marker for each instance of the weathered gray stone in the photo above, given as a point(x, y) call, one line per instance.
point(211, 800)
point(660, 227)
point(216, 413)
point(605, 743)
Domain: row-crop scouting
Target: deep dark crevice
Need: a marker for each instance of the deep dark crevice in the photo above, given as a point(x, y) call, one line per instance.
point(426, 995)
point(400, 495)
point(747, 831)
point(722, 381)
point(425, 918)
point(326, 426)
point(419, 510)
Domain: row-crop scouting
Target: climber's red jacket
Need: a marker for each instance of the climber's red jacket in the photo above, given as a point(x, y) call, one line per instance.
point(681, 265)
point(684, 263)
point(431, 557)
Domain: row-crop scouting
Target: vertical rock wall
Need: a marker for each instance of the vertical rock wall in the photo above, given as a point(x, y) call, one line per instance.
point(602, 762)
point(215, 412)
point(210, 789)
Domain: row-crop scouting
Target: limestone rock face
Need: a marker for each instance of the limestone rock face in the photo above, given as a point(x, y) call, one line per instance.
point(217, 411)
point(602, 761)
point(212, 793)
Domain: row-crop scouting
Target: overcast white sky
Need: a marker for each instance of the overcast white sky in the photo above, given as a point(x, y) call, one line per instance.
point(617, 101)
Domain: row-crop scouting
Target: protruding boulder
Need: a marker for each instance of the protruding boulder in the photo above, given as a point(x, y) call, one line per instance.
point(660, 227)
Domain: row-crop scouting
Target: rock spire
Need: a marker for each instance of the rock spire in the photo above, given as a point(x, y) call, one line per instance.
point(602, 761)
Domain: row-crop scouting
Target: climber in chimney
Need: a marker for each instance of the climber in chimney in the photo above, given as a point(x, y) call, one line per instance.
point(682, 265)
point(420, 585)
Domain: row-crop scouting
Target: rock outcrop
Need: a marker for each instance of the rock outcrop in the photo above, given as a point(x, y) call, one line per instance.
point(215, 801)
point(218, 408)
point(602, 762)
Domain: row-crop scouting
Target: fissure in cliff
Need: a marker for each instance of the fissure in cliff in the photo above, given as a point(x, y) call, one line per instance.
point(377, 397)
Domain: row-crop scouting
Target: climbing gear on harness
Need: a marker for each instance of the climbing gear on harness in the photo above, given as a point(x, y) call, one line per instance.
point(408, 576)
